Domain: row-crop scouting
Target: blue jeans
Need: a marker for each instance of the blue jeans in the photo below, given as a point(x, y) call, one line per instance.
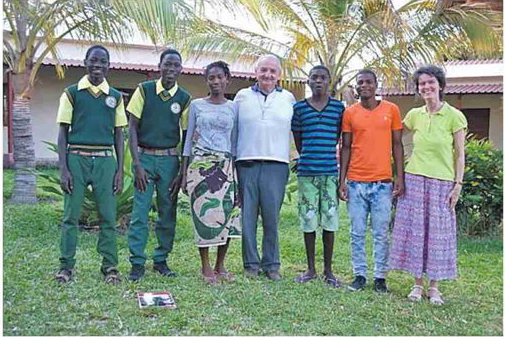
point(372, 198)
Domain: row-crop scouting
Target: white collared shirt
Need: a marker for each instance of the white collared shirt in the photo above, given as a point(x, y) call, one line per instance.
point(264, 125)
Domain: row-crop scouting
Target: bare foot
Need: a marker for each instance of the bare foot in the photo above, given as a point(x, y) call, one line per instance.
point(208, 276)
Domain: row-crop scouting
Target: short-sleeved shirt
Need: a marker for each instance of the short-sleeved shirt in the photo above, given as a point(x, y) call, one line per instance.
point(136, 104)
point(66, 109)
point(211, 126)
point(371, 149)
point(433, 152)
point(264, 124)
point(320, 132)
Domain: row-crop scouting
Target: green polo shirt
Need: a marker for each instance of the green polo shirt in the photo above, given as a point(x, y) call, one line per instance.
point(433, 152)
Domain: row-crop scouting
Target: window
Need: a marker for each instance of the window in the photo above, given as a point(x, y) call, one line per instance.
point(478, 122)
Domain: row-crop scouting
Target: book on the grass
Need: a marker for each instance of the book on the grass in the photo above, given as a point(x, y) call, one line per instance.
point(156, 300)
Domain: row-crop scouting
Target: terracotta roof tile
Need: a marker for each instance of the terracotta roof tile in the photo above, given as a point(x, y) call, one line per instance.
point(458, 62)
point(451, 89)
point(142, 67)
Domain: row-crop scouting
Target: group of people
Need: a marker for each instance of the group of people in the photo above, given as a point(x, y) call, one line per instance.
point(235, 166)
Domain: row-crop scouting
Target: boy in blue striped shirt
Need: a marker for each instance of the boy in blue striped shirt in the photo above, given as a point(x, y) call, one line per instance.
point(316, 130)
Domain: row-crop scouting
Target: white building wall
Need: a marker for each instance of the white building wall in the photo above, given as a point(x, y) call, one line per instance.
point(45, 100)
point(48, 89)
point(474, 72)
point(493, 102)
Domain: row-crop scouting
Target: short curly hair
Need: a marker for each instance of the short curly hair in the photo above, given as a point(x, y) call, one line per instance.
point(321, 67)
point(170, 51)
point(367, 72)
point(434, 71)
point(219, 64)
point(97, 46)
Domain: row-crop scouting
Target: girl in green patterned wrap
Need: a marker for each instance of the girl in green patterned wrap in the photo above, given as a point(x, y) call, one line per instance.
point(209, 178)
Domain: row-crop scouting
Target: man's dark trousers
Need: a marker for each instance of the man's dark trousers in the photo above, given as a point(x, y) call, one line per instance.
point(262, 185)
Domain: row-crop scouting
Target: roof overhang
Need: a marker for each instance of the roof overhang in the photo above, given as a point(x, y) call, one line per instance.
point(149, 68)
point(143, 68)
point(451, 89)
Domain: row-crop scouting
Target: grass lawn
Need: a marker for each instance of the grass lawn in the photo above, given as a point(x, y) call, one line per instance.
point(34, 304)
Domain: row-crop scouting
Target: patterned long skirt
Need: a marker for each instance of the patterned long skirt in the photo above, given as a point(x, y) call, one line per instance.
point(212, 188)
point(424, 233)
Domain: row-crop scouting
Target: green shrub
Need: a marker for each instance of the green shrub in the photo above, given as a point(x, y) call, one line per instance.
point(479, 209)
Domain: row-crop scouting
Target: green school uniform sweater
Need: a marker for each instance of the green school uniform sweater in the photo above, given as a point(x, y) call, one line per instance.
point(159, 123)
point(93, 117)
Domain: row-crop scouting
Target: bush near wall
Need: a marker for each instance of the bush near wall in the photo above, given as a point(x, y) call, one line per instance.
point(480, 207)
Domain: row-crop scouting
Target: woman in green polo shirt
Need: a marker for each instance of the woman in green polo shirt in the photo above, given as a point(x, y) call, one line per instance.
point(424, 233)
point(209, 178)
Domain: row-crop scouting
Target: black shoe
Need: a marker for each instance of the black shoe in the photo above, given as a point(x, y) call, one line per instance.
point(63, 276)
point(163, 269)
point(358, 283)
point(137, 272)
point(379, 285)
point(111, 275)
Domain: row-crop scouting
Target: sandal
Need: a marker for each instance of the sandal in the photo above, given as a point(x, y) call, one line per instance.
point(112, 276)
point(304, 278)
point(333, 282)
point(63, 276)
point(225, 275)
point(416, 293)
point(435, 296)
point(209, 279)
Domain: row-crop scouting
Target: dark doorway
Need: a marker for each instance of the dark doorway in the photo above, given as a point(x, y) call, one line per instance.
point(478, 122)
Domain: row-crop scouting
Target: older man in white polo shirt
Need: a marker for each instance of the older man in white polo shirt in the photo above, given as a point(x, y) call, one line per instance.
point(264, 123)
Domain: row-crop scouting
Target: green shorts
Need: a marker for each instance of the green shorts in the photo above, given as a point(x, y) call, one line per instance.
point(318, 203)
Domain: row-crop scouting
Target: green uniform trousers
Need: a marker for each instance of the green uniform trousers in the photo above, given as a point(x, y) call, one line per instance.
point(99, 172)
point(161, 171)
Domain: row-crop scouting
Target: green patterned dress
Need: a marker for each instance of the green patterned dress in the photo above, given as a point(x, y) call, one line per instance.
point(211, 181)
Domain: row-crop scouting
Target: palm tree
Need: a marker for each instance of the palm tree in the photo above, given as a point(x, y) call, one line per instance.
point(391, 41)
point(33, 29)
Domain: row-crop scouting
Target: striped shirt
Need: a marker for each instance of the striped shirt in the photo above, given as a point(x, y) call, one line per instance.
point(320, 132)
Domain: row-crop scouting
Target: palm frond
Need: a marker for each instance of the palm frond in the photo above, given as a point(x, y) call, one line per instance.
point(163, 22)
point(9, 12)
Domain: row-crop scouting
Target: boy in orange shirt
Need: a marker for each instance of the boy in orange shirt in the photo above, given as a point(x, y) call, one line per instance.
point(371, 130)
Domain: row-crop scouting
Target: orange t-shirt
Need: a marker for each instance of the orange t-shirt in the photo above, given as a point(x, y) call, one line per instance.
point(371, 140)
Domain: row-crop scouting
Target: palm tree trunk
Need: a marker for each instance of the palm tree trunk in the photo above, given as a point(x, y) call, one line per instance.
point(24, 152)
point(348, 96)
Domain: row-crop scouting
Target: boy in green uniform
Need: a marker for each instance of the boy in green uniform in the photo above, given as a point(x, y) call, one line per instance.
point(156, 109)
point(91, 116)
